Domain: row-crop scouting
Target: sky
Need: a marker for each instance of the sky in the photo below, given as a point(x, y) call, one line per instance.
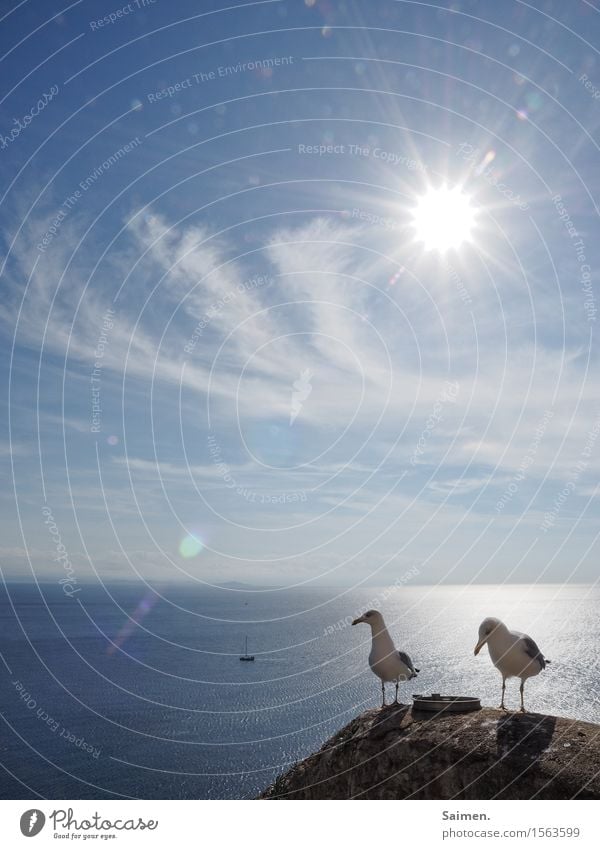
point(229, 353)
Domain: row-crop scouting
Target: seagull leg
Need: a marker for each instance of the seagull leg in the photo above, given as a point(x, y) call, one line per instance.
point(396, 699)
point(522, 689)
point(502, 705)
point(382, 694)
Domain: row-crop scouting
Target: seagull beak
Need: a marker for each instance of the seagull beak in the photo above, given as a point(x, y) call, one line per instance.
point(359, 620)
point(480, 645)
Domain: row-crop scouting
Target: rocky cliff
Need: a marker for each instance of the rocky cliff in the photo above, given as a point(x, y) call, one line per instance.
point(396, 753)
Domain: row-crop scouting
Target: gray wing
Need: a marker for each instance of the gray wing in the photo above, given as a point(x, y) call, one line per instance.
point(531, 649)
point(408, 662)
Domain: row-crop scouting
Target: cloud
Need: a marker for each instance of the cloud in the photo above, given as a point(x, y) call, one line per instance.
point(192, 326)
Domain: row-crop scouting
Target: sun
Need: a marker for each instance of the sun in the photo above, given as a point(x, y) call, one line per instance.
point(443, 219)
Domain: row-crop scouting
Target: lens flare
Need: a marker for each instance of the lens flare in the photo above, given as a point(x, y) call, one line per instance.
point(141, 611)
point(487, 160)
point(190, 546)
point(396, 276)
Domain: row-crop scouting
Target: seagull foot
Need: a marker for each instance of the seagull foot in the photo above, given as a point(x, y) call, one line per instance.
point(503, 707)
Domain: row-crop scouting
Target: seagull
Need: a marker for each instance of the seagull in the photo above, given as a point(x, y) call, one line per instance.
point(515, 655)
point(384, 659)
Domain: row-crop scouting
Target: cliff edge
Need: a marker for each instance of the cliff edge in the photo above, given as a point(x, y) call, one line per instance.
point(398, 753)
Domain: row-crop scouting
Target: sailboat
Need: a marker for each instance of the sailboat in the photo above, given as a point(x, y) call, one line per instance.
point(246, 656)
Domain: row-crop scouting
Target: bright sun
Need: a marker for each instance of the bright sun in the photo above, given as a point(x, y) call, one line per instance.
point(443, 219)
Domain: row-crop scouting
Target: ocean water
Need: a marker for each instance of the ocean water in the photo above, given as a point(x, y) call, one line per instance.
point(128, 693)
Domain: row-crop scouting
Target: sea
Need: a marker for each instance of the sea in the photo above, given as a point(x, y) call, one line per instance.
point(123, 691)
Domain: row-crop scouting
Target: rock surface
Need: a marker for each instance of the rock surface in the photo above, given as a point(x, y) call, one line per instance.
point(395, 753)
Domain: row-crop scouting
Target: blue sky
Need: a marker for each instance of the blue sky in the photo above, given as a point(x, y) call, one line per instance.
point(225, 355)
